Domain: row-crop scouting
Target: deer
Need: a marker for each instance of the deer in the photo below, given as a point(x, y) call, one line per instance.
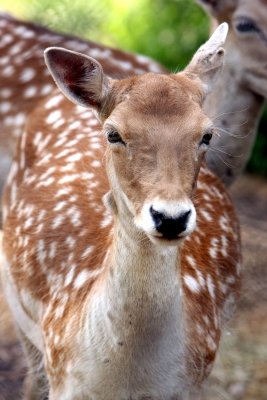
point(238, 97)
point(121, 249)
point(25, 80)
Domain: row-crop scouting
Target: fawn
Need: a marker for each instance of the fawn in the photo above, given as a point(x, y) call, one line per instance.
point(123, 298)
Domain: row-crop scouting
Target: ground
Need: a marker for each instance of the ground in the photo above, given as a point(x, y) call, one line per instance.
point(241, 368)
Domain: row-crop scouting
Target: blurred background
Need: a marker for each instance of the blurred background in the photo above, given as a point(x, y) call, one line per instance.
point(169, 31)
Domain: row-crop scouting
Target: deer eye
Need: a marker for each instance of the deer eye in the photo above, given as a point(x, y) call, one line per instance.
point(114, 137)
point(206, 139)
point(246, 26)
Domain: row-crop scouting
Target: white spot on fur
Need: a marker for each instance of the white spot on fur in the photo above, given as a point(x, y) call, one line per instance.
point(27, 74)
point(53, 117)
point(30, 91)
point(54, 101)
point(60, 205)
point(211, 287)
point(206, 215)
point(64, 152)
point(70, 275)
point(81, 278)
point(70, 241)
point(87, 251)
point(68, 178)
point(8, 71)
point(191, 261)
point(57, 221)
point(46, 89)
point(41, 253)
point(213, 247)
point(52, 250)
point(19, 119)
point(65, 191)
point(74, 157)
point(59, 123)
point(191, 283)
point(5, 106)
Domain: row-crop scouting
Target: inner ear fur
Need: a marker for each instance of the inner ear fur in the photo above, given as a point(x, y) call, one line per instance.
point(78, 76)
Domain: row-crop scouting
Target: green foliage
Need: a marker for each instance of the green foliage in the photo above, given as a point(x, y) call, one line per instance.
point(167, 30)
point(76, 17)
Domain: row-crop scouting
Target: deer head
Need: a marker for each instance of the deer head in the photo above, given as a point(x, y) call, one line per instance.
point(247, 41)
point(156, 131)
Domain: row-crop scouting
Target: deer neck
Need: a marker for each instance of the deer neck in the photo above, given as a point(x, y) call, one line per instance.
point(140, 294)
point(236, 111)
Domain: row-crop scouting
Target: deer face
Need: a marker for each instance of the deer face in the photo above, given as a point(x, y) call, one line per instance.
point(155, 148)
point(246, 46)
point(156, 133)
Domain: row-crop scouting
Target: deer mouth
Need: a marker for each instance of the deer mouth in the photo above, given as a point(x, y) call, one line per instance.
point(167, 240)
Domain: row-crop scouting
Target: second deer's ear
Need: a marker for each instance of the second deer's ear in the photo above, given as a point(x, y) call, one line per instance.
point(208, 60)
point(219, 9)
point(79, 77)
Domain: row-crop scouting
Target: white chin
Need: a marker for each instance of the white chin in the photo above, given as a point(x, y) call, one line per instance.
point(166, 242)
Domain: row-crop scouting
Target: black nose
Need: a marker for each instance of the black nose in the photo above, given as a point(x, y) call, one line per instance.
point(170, 227)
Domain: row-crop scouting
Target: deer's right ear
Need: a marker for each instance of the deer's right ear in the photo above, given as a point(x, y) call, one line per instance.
point(79, 77)
point(208, 60)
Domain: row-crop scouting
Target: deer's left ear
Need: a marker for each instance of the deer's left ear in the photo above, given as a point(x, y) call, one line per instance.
point(208, 60)
point(79, 77)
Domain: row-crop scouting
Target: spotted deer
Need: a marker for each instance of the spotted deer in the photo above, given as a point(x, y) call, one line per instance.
point(25, 80)
point(123, 298)
point(238, 96)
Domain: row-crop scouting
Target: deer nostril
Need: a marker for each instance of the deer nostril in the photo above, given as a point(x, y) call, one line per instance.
point(168, 226)
point(157, 217)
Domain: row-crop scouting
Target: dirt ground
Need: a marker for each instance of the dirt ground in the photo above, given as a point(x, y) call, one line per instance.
point(241, 368)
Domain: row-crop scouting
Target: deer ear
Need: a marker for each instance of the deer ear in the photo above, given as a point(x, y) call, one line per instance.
point(218, 8)
point(79, 77)
point(208, 60)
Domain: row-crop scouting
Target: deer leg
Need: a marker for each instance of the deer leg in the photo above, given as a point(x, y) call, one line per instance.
point(36, 384)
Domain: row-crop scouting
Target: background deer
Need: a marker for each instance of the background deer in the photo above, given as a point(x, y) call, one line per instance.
point(24, 79)
point(128, 301)
point(237, 99)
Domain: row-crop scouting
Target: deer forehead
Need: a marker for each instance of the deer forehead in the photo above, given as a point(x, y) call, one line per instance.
point(152, 93)
point(159, 106)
